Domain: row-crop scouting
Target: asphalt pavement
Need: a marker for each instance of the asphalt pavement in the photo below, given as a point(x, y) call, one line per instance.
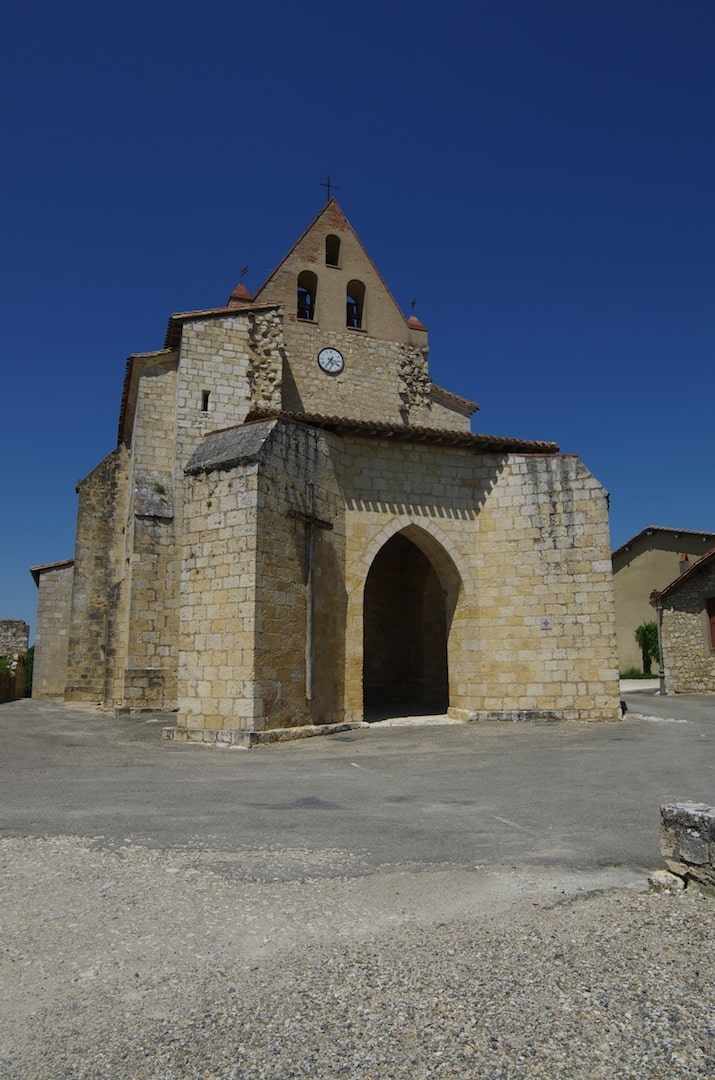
point(568, 797)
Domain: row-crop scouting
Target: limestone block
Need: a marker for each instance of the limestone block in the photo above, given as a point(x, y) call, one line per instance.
point(664, 881)
point(687, 841)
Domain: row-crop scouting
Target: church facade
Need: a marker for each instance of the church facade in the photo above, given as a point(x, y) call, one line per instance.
point(298, 528)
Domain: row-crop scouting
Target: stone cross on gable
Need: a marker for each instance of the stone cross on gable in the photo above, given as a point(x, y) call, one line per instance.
point(328, 184)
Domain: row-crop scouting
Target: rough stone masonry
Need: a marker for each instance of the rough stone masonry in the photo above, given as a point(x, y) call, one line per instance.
point(298, 528)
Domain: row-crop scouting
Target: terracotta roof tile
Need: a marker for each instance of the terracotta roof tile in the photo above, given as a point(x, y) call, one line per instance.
point(343, 425)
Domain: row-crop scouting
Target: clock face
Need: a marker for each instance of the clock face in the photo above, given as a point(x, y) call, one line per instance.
point(331, 361)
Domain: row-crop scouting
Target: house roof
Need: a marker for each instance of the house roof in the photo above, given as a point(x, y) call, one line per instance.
point(698, 567)
point(341, 425)
point(675, 533)
point(37, 570)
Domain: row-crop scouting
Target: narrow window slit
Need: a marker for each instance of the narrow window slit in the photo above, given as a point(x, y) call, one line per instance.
point(332, 250)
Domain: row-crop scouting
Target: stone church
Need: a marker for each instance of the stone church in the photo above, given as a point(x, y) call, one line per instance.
point(298, 528)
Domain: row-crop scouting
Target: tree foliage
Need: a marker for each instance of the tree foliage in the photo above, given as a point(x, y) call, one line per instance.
point(647, 638)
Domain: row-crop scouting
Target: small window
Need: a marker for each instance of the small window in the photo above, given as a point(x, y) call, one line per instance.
point(307, 288)
point(205, 401)
point(355, 302)
point(710, 608)
point(332, 250)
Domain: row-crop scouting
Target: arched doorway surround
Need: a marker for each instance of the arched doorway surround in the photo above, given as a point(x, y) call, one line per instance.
point(410, 595)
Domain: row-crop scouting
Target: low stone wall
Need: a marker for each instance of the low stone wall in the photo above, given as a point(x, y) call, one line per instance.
point(687, 841)
point(14, 636)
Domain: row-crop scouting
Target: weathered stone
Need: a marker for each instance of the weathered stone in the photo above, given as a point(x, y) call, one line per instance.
point(663, 881)
point(274, 548)
point(688, 644)
point(687, 842)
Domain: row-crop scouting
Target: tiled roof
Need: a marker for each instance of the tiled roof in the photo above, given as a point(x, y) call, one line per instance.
point(447, 397)
point(343, 425)
point(697, 567)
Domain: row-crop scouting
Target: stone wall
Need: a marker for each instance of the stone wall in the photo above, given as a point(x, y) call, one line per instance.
point(98, 570)
point(521, 545)
point(14, 637)
point(145, 657)
point(217, 618)
point(215, 357)
point(687, 841)
point(380, 380)
point(385, 377)
point(300, 587)
point(687, 652)
point(54, 604)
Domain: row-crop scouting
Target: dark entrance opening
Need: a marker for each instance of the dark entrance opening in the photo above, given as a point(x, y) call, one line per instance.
point(404, 634)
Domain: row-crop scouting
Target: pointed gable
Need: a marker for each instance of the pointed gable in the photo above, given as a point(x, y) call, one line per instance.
point(328, 278)
point(348, 350)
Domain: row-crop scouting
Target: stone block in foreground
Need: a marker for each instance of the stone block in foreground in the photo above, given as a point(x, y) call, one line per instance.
point(687, 842)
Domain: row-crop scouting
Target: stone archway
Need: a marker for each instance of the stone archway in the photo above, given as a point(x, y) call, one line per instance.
point(409, 598)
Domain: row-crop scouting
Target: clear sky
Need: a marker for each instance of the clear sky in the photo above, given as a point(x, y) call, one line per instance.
point(538, 174)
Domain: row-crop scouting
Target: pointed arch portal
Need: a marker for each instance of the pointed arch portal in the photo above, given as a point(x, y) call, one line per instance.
point(407, 613)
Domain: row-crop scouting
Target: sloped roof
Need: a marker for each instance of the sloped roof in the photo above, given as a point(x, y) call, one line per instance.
point(650, 529)
point(703, 563)
point(447, 397)
point(229, 447)
point(341, 425)
point(37, 570)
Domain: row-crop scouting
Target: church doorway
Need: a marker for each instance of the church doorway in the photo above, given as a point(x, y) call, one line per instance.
point(406, 620)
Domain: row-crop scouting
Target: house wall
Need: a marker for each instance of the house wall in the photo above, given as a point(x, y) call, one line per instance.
point(54, 602)
point(650, 563)
point(687, 652)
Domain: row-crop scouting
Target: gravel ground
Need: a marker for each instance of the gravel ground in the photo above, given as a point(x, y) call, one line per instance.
point(129, 962)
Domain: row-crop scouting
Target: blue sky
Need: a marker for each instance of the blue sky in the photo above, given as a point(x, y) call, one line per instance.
point(538, 175)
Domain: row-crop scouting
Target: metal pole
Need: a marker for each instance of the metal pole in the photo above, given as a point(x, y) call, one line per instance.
point(661, 671)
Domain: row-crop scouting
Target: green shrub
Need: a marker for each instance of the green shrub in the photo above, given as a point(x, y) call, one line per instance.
point(633, 673)
point(647, 638)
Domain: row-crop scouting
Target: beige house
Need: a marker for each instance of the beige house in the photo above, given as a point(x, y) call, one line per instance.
point(298, 527)
point(647, 562)
point(687, 610)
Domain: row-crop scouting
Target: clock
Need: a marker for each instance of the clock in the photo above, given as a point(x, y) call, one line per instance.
point(331, 361)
